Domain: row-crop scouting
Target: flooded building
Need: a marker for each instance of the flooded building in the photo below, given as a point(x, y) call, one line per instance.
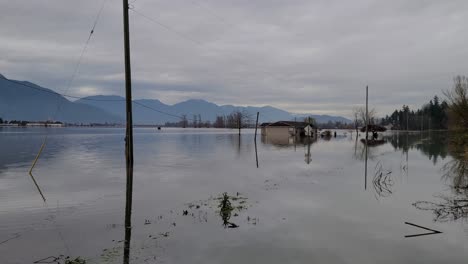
point(288, 129)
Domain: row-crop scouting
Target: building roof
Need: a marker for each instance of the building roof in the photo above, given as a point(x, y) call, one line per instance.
point(286, 124)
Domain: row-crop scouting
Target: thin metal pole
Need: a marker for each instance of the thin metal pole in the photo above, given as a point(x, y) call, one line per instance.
point(128, 136)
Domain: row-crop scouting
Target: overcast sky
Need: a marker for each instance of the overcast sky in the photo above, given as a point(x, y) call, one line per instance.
point(301, 56)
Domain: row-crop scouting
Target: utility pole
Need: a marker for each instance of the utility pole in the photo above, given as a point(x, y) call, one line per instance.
point(407, 113)
point(128, 136)
point(256, 125)
point(367, 111)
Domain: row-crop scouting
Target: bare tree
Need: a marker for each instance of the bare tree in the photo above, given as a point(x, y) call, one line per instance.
point(194, 122)
point(220, 122)
point(183, 121)
point(361, 112)
point(458, 103)
point(356, 114)
point(238, 119)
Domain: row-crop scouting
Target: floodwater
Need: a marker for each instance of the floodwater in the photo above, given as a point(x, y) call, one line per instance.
point(306, 202)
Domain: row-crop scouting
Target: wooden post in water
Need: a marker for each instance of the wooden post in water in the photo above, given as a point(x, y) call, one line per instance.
point(128, 136)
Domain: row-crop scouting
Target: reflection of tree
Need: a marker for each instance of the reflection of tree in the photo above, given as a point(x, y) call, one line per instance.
point(433, 145)
point(456, 172)
point(447, 209)
point(360, 151)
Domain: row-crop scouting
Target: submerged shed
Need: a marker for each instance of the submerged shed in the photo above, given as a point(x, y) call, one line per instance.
point(290, 128)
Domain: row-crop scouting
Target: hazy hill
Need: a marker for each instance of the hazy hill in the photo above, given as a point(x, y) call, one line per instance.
point(207, 110)
point(40, 104)
point(36, 103)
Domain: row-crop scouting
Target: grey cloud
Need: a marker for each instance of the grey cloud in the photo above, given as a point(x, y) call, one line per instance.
point(315, 56)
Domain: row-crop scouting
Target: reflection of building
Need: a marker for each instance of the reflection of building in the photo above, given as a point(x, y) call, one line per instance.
point(288, 128)
point(285, 140)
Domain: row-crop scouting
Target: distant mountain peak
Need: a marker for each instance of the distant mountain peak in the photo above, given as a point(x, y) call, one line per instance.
point(27, 104)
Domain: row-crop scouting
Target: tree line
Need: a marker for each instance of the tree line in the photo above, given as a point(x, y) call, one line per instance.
point(235, 120)
point(432, 115)
point(451, 113)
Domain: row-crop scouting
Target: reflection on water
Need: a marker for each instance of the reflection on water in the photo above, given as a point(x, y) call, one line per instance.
point(287, 141)
point(450, 207)
point(382, 181)
point(188, 207)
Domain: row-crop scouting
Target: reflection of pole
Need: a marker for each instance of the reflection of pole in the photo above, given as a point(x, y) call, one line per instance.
point(308, 159)
point(407, 150)
point(255, 140)
point(128, 136)
point(367, 128)
point(295, 134)
point(365, 170)
point(256, 153)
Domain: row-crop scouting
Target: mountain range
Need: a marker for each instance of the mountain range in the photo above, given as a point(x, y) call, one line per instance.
point(22, 100)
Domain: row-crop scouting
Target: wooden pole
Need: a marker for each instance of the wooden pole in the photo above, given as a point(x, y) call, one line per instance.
point(239, 122)
point(128, 136)
point(407, 118)
point(367, 111)
point(256, 125)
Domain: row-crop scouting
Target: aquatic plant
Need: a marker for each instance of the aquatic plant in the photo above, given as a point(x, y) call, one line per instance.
point(77, 260)
point(225, 209)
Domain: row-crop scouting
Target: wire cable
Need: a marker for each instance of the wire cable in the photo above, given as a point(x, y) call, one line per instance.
point(180, 34)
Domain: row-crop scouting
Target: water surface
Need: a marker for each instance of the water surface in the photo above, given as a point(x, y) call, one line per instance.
point(308, 201)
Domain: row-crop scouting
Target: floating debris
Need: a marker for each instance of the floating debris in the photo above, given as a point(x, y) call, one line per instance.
point(165, 234)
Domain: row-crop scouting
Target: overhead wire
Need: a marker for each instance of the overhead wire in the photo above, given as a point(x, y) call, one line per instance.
point(87, 98)
point(168, 28)
point(132, 8)
point(92, 99)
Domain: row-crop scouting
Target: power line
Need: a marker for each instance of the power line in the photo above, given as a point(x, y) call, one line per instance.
point(77, 66)
point(56, 93)
point(87, 98)
point(162, 112)
point(91, 99)
point(180, 34)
